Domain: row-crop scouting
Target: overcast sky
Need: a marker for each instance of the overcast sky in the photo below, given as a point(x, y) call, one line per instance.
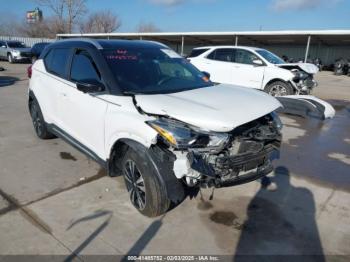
point(214, 15)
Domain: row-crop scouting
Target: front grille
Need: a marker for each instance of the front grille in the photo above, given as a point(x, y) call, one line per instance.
point(25, 54)
point(250, 147)
point(245, 161)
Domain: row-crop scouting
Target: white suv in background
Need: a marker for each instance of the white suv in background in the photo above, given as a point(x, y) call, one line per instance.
point(254, 68)
point(144, 112)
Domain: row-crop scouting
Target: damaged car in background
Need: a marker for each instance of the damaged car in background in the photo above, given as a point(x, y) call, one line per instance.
point(144, 112)
point(254, 67)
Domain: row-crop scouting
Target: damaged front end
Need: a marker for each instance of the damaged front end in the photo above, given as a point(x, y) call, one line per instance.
point(303, 80)
point(212, 159)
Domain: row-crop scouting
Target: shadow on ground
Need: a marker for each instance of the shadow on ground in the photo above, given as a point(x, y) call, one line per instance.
point(280, 222)
point(93, 235)
point(7, 80)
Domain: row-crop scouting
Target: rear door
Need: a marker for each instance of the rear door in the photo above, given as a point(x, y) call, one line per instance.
point(218, 64)
point(83, 114)
point(50, 81)
point(244, 71)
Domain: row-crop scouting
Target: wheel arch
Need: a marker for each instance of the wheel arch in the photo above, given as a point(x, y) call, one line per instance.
point(117, 152)
point(156, 155)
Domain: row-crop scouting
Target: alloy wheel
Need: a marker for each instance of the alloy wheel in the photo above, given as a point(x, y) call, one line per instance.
point(135, 184)
point(36, 119)
point(278, 90)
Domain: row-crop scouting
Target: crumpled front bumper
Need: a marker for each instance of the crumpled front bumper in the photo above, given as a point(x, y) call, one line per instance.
point(235, 169)
point(304, 86)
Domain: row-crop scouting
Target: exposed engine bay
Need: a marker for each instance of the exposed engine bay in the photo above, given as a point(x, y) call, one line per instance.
point(242, 156)
point(303, 80)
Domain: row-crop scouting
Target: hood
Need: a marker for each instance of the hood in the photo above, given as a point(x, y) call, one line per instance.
point(219, 108)
point(307, 67)
point(24, 49)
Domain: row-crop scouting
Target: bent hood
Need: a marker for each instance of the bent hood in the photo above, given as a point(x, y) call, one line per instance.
point(219, 108)
point(307, 67)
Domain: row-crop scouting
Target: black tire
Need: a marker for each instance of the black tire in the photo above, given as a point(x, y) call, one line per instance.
point(279, 88)
point(10, 58)
point(146, 188)
point(39, 124)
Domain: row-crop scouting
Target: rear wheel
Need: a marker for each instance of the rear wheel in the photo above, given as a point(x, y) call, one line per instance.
point(39, 124)
point(146, 191)
point(279, 88)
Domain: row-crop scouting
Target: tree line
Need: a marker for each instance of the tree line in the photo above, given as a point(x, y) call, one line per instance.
point(68, 16)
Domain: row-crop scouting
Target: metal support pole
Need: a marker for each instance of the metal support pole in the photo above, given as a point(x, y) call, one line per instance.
point(236, 40)
point(140, 37)
point(307, 48)
point(182, 45)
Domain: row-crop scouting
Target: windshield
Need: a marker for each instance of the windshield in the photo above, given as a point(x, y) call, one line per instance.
point(270, 57)
point(16, 45)
point(153, 71)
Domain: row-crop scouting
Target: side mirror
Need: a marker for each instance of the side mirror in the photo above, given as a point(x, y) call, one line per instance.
point(206, 74)
point(258, 62)
point(90, 87)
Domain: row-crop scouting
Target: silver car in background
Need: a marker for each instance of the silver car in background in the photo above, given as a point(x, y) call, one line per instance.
point(14, 51)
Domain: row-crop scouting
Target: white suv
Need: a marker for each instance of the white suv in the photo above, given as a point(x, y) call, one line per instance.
point(255, 68)
point(144, 112)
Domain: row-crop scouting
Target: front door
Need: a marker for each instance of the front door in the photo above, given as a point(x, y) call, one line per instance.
point(83, 114)
point(244, 71)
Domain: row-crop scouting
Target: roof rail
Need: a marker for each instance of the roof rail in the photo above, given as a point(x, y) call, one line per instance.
point(87, 40)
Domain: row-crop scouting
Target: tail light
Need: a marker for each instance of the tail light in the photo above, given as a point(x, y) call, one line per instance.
point(29, 71)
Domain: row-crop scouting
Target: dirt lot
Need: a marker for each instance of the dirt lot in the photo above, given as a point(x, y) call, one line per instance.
point(55, 201)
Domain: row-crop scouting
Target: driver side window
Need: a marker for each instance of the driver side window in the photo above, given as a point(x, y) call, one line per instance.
point(84, 69)
point(245, 57)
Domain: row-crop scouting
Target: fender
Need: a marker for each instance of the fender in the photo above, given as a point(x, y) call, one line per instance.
point(163, 163)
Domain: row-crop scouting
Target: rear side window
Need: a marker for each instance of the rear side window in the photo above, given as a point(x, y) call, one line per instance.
point(222, 54)
point(197, 52)
point(56, 61)
point(84, 69)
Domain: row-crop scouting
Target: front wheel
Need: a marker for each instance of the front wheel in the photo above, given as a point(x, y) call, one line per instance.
point(279, 88)
point(10, 58)
point(146, 191)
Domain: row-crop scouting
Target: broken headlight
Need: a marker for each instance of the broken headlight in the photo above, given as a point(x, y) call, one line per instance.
point(182, 136)
point(299, 75)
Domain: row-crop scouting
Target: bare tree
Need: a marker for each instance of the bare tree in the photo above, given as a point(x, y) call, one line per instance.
point(39, 29)
point(47, 28)
point(101, 22)
point(147, 28)
point(67, 12)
